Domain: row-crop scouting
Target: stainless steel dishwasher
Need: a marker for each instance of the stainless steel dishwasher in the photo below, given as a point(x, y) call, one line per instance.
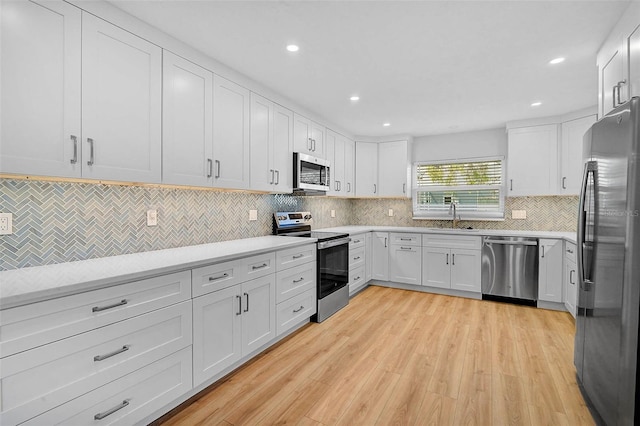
point(510, 267)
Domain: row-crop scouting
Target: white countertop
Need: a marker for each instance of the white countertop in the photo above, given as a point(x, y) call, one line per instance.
point(29, 285)
point(354, 230)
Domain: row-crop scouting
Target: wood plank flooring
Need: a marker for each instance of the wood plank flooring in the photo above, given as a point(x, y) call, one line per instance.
point(400, 357)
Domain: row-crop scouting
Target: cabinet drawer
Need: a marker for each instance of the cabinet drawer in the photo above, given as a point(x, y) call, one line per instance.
point(37, 380)
point(139, 394)
point(570, 251)
point(295, 256)
point(452, 241)
point(29, 326)
point(226, 274)
point(357, 278)
point(295, 310)
point(294, 281)
point(398, 238)
point(357, 241)
point(356, 257)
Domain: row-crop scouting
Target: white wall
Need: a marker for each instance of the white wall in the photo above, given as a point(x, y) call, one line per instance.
point(482, 143)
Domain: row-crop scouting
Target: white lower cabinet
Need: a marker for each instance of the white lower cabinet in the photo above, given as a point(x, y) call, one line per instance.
point(380, 256)
point(368, 247)
point(405, 258)
point(451, 262)
point(229, 324)
point(128, 399)
point(550, 273)
point(357, 262)
point(436, 271)
point(570, 278)
point(299, 308)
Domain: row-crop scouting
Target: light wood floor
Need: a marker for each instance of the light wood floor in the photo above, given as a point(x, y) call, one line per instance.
point(401, 357)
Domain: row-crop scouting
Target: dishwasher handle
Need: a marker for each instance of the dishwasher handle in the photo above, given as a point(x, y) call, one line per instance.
point(511, 243)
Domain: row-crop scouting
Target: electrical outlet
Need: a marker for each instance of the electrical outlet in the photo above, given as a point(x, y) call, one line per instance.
point(518, 214)
point(152, 217)
point(333, 213)
point(253, 215)
point(6, 223)
point(390, 212)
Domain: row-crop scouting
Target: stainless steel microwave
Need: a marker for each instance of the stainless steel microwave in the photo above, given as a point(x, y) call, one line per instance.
point(311, 175)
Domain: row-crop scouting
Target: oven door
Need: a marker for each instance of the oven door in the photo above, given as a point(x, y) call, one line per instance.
point(333, 266)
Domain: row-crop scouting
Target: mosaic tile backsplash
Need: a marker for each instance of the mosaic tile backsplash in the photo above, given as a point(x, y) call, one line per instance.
point(58, 222)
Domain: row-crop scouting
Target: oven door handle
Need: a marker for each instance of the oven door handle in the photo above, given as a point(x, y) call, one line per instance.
point(333, 243)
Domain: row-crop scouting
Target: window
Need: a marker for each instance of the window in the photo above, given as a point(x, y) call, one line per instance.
point(475, 186)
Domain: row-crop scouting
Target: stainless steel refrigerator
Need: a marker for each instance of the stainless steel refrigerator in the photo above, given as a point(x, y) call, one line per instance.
point(606, 344)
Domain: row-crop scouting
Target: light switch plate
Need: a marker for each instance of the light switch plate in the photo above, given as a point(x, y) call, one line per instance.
point(253, 214)
point(6, 223)
point(390, 212)
point(152, 217)
point(518, 214)
point(333, 213)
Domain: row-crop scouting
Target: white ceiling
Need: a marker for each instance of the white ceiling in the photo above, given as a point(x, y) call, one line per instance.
point(426, 67)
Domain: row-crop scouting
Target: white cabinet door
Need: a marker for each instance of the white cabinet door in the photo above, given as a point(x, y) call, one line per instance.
point(330, 151)
point(465, 270)
point(550, 272)
point(405, 264)
point(532, 165)
point(262, 171)
point(349, 168)
point(393, 169)
point(572, 152)
point(338, 165)
point(368, 254)
point(187, 122)
point(121, 104)
point(283, 149)
point(611, 74)
point(633, 45)
point(570, 288)
point(366, 169)
point(302, 135)
point(317, 137)
point(258, 313)
point(380, 256)
point(231, 128)
point(217, 329)
point(40, 83)
point(436, 270)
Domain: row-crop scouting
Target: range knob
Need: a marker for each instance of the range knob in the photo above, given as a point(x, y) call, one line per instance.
point(307, 217)
point(282, 218)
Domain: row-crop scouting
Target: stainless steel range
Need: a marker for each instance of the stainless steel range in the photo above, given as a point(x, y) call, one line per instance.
point(332, 260)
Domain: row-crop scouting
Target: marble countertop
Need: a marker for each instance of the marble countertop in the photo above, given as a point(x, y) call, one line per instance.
point(354, 230)
point(29, 285)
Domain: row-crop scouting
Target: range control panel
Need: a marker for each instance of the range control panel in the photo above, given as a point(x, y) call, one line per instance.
point(284, 219)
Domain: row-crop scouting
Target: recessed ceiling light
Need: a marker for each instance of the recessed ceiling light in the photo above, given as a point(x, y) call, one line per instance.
point(536, 104)
point(556, 61)
point(293, 47)
point(355, 98)
point(386, 124)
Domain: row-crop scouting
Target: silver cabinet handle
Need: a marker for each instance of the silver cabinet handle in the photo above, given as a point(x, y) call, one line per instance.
point(510, 184)
point(405, 239)
point(405, 248)
point(570, 251)
point(542, 247)
point(91, 152)
point(239, 305)
point(447, 258)
point(247, 308)
point(225, 275)
point(110, 411)
point(209, 167)
point(110, 354)
point(74, 160)
point(264, 265)
point(355, 241)
point(272, 177)
point(619, 85)
point(217, 169)
point(356, 258)
point(310, 144)
point(564, 182)
point(298, 280)
point(298, 256)
point(571, 272)
point(298, 310)
point(104, 308)
point(335, 185)
point(277, 177)
point(313, 144)
point(404, 188)
point(357, 278)
point(453, 259)
point(375, 188)
point(348, 186)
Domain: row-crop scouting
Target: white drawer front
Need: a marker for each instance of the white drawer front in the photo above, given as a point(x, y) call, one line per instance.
point(29, 326)
point(452, 241)
point(295, 256)
point(226, 274)
point(399, 238)
point(295, 310)
point(570, 251)
point(356, 241)
point(356, 257)
point(45, 377)
point(133, 397)
point(294, 281)
point(357, 279)
point(259, 266)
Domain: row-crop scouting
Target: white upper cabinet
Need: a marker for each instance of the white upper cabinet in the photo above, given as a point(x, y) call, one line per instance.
point(308, 137)
point(187, 124)
point(532, 165)
point(366, 169)
point(40, 85)
point(349, 167)
point(572, 160)
point(339, 151)
point(121, 104)
point(619, 62)
point(271, 146)
point(393, 169)
point(231, 129)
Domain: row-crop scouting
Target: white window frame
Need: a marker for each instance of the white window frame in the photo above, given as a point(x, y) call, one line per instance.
point(464, 215)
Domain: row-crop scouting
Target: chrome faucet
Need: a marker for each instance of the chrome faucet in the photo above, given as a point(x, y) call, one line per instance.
point(453, 209)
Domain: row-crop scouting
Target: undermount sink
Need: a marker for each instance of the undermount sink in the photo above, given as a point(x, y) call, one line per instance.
point(453, 229)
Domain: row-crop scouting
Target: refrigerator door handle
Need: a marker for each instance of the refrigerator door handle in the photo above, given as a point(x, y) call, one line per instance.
point(584, 269)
